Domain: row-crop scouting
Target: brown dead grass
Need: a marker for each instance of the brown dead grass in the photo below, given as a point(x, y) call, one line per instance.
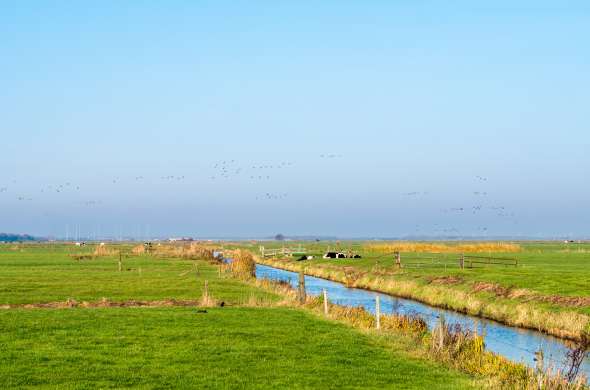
point(186, 251)
point(421, 247)
point(242, 265)
point(104, 251)
point(138, 250)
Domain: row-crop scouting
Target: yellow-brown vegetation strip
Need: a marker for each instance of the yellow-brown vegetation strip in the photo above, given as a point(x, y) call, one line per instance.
point(419, 247)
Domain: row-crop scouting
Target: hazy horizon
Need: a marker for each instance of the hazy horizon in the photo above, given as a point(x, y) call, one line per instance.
point(373, 119)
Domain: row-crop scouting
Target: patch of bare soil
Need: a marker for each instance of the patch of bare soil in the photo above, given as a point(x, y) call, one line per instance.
point(445, 280)
point(528, 296)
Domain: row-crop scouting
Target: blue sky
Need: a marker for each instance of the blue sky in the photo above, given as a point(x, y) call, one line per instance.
point(409, 103)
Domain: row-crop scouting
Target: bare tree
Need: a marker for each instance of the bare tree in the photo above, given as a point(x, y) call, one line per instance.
point(575, 357)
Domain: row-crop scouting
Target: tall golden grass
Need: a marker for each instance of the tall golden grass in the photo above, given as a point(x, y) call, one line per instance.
point(103, 251)
point(423, 247)
point(243, 265)
point(190, 251)
point(138, 250)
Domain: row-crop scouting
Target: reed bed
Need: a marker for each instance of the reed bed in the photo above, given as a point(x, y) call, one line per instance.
point(104, 251)
point(138, 250)
point(242, 265)
point(421, 247)
point(189, 251)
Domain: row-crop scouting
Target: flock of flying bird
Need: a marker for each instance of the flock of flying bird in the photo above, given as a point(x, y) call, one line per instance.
point(256, 172)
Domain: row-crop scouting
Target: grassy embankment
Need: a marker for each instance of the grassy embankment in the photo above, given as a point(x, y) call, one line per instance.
point(548, 290)
point(180, 347)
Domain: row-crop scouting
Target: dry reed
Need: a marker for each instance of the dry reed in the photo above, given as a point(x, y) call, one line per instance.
point(103, 251)
point(421, 247)
point(243, 265)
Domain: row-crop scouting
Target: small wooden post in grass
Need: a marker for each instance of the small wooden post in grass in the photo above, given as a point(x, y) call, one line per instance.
point(378, 311)
point(302, 295)
point(196, 269)
point(120, 262)
point(441, 332)
point(462, 261)
point(325, 302)
point(206, 292)
point(539, 359)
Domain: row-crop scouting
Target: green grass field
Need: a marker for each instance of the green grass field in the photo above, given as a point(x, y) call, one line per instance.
point(46, 273)
point(178, 347)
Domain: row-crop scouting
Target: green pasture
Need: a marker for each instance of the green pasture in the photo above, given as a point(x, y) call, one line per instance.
point(181, 347)
point(47, 273)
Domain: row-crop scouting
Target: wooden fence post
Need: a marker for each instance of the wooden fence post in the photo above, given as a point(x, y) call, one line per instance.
point(120, 262)
point(378, 311)
point(325, 302)
point(462, 261)
point(398, 259)
point(206, 291)
point(441, 332)
point(302, 295)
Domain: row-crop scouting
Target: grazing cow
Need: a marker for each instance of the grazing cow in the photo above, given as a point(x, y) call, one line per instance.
point(330, 255)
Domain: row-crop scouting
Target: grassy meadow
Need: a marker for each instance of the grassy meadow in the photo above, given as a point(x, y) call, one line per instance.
point(252, 342)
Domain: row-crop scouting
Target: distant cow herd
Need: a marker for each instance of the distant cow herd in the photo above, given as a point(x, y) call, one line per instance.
point(333, 255)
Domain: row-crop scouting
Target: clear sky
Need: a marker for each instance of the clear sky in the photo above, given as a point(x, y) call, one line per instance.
point(348, 118)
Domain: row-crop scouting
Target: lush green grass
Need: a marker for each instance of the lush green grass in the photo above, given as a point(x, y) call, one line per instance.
point(230, 347)
point(46, 273)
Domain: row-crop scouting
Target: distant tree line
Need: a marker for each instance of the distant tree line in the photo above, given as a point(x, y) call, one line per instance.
point(9, 237)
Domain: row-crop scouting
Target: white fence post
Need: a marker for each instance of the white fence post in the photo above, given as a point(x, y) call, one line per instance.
point(378, 311)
